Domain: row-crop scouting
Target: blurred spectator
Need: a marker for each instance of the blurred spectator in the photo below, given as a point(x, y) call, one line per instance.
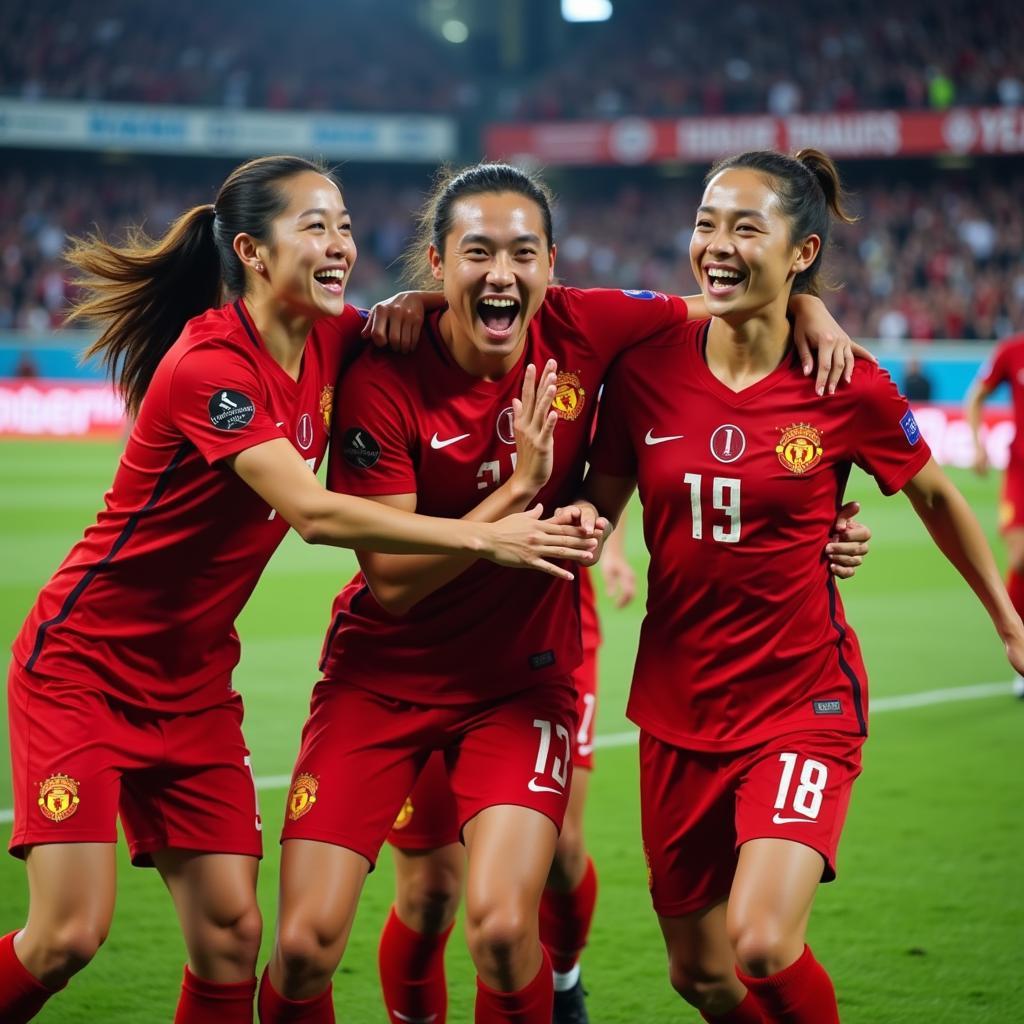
point(917, 385)
point(26, 368)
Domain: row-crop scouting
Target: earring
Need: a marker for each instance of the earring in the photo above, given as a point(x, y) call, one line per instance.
point(259, 266)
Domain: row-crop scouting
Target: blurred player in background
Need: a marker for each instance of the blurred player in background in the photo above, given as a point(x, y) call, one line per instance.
point(429, 654)
point(1005, 367)
point(120, 696)
point(749, 687)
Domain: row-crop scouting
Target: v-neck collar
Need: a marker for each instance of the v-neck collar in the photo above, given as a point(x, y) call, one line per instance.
point(247, 322)
point(723, 391)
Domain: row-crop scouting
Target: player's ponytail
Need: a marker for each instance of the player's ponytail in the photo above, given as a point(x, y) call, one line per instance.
point(144, 291)
point(810, 196)
point(434, 219)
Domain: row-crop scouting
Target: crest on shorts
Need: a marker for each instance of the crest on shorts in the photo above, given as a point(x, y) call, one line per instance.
point(569, 396)
point(404, 815)
point(799, 448)
point(327, 405)
point(302, 795)
point(58, 797)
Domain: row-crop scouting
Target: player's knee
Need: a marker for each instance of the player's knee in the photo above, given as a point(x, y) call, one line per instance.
point(430, 907)
point(244, 935)
point(303, 953)
point(71, 947)
point(706, 987)
point(762, 947)
point(499, 936)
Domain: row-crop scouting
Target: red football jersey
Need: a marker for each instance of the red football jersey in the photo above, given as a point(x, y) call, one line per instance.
point(423, 425)
point(745, 636)
point(1007, 367)
point(144, 605)
point(589, 622)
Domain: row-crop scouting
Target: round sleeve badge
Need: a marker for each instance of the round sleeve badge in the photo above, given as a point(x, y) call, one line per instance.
point(230, 410)
point(360, 448)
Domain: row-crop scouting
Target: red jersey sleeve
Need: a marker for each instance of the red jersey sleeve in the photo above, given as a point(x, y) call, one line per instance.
point(622, 318)
point(995, 371)
point(888, 442)
point(217, 402)
point(373, 440)
point(612, 450)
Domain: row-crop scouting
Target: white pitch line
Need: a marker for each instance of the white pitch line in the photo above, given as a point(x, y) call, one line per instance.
point(926, 698)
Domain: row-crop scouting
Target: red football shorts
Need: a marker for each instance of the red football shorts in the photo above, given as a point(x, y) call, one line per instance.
point(1011, 499)
point(429, 818)
point(362, 752)
point(697, 809)
point(80, 758)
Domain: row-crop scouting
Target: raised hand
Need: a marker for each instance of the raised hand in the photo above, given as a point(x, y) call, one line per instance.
point(533, 422)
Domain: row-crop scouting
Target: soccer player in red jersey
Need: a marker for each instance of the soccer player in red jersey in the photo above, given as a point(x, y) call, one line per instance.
point(442, 654)
point(1005, 367)
point(749, 688)
point(120, 695)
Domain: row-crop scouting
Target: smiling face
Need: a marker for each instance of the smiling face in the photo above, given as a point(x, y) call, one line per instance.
point(495, 269)
point(311, 251)
point(742, 251)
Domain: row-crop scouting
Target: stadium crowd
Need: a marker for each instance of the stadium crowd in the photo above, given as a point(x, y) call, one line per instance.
point(653, 59)
point(925, 261)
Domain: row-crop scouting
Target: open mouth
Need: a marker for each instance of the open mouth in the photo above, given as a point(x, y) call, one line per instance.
point(332, 280)
point(723, 280)
point(498, 317)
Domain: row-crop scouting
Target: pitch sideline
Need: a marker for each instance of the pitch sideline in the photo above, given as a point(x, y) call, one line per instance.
point(926, 698)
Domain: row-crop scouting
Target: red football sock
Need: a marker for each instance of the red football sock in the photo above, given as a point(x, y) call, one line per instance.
point(748, 1012)
point(22, 994)
point(800, 994)
point(412, 972)
point(275, 1009)
point(1015, 588)
point(565, 920)
point(531, 1005)
point(207, 1002)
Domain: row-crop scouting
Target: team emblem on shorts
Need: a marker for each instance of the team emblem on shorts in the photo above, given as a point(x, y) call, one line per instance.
point(58, 797)
point(302, 796)
point(569, 396)
point(327, 405)
point(799, 448)
point(404, 815)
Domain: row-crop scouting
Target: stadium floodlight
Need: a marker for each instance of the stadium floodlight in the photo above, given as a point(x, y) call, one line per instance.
point(586, 10)
point(455, 31)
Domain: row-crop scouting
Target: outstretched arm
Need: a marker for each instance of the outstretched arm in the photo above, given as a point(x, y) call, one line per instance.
point(956, 531)
point(976, 396)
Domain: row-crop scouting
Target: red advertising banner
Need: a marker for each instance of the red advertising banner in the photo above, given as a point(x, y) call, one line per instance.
point(47, 408)
point(881, 133)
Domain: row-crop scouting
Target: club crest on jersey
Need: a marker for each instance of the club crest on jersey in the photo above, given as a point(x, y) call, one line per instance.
point(799, 448)
point(58, 797)
point(327, 405)
point(230, 410)
point(304, 432)
point(728, 443)
point(404, 815)
point(302, 795)
point(506, 426)
point(569, 396)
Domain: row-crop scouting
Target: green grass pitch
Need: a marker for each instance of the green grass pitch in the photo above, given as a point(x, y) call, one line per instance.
point(923, 926)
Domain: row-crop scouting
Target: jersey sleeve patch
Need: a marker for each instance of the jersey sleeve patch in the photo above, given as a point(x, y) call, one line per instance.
point(910, 427)
point(360, 448)
point(230, 410)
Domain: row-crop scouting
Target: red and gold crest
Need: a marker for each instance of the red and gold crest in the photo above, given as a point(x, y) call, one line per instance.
point(569, 396)
point(799, 448)
point(327, 405)
point(404, 815)
point(58, 797)
point(302, 795)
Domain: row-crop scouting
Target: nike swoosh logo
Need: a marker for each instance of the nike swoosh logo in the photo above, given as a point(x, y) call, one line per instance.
point(415, 1020)
point(536, 787)
point(787, 821)
point(651, 439)
point(436, 443)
